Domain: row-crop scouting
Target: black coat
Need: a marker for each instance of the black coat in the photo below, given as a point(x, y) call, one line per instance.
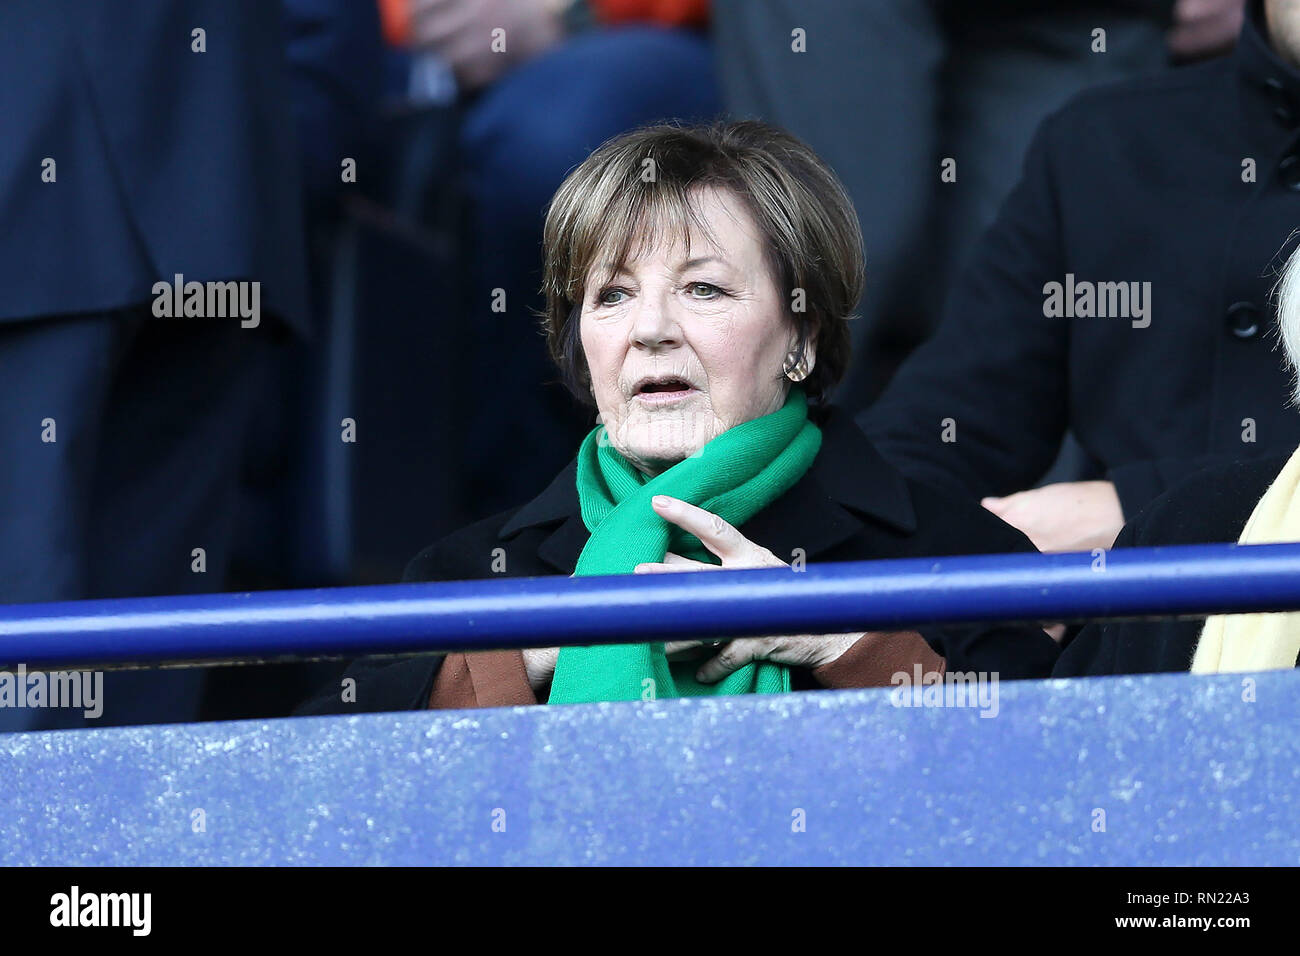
point(849, 506)
point(1209, 507)
point(1134, 182)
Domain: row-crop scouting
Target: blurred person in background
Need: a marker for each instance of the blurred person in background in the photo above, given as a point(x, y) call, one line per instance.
point(334, 52)
point(926, 108)
point(704, 312)
point(539, 84)
point(143, 142)
point(1250, 501)
point(1123, 295)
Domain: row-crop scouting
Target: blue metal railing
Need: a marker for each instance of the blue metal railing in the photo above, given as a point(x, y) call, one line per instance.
point(549, 611)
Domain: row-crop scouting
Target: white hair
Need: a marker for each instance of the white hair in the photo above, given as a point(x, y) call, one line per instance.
point(1286, 294)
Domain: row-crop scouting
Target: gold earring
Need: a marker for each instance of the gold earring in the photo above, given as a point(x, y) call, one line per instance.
point(796, 366)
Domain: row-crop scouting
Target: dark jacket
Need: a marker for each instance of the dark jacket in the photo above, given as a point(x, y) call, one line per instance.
point(1209, 507)
point(167, 160)
point(1134, 182)
point(849, 506)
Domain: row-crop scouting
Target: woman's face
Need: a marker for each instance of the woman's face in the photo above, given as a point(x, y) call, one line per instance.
point(684, 344)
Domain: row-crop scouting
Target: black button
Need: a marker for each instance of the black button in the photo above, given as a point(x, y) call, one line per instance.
point(1284, 106)
point(1243, 319)
point(1289, 172)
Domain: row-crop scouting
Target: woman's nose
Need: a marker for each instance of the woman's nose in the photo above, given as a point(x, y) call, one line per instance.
point(654, 326)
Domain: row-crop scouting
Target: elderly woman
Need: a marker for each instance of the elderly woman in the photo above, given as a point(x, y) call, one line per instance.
point(699, 282)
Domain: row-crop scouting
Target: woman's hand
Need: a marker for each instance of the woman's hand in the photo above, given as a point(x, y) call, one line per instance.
point(539, 665)
point(1066, 516)
point(539, 662)
point(737, 551)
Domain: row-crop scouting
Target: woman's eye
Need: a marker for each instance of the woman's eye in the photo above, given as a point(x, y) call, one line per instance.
point(710, 291)
point(604, 297)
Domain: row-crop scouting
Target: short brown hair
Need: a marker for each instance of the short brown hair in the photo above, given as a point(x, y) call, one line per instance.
point(804, 216)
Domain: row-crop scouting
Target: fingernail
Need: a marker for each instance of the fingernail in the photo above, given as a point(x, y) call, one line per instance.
point(660, 501)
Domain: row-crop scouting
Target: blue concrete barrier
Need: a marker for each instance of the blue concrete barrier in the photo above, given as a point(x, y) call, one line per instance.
point(1186, 770)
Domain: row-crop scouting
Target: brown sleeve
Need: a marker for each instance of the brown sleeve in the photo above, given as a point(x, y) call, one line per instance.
point(876, 658)
point(482, 679)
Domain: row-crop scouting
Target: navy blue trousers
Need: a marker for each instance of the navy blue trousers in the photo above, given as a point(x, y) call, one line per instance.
point(148, 419)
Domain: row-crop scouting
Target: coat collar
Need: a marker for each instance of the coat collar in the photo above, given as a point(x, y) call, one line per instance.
point(848, 482)
point(1276, 80)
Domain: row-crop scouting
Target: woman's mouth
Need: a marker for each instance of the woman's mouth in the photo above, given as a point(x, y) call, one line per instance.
point(663, 391)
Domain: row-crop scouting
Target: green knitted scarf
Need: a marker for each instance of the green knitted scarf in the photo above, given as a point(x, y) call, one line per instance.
point(734, 476)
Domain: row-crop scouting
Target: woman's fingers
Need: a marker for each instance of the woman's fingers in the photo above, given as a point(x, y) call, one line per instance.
point(720, 537)
point(539, 665)
point(688, 650)
point(802, 650)
point(715, 534)
point(673, 562)
point(732, 657)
